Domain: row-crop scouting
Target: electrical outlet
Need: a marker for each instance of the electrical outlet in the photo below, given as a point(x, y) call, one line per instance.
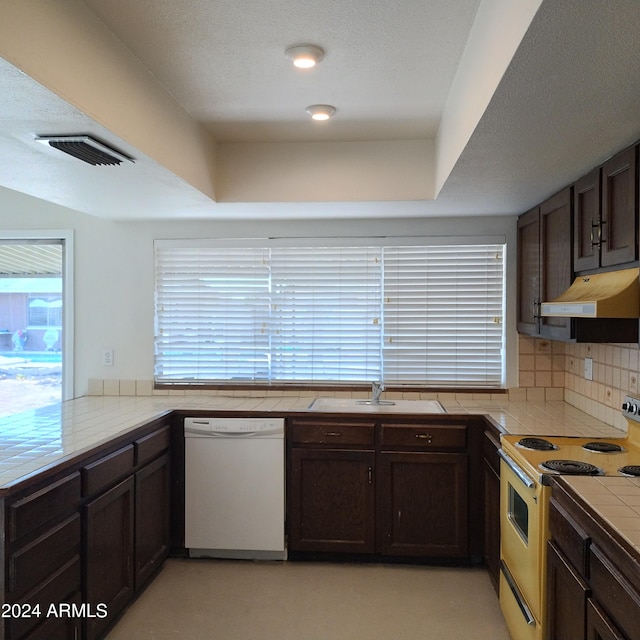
point(588, 368)
point(107, 358)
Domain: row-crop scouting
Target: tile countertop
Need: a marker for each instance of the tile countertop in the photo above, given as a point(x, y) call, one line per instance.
point(616, 500)
point(39, 438)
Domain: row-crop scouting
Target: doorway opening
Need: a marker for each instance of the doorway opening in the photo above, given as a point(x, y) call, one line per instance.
point(32, 323)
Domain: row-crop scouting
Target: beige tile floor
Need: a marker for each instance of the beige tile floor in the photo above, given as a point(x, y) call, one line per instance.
point(240, 600)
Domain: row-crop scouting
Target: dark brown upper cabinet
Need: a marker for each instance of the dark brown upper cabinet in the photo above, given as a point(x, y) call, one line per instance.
point(605, 214)
point(529, 272)
point(544, 265)
point(556, 273)
point(586, 222)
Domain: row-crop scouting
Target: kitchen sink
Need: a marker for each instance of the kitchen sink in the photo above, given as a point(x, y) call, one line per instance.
point(353, 405)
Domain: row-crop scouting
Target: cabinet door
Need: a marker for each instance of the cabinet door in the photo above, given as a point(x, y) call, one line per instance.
point(423, 504)
point(528, 272)
point(109, 553)
point(152, 518)
point(332, 503)
point(599, 627)
point(555, 259)
point(619, 210)
point(491, 466)
point(566, 598)
point(586, 222)
point(492, 523)
point(614, 591)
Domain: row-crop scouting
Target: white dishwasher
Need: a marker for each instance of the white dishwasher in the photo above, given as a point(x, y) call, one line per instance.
point(235, 488)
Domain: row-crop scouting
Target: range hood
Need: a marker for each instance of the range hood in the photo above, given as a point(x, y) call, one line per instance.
point(614, 294)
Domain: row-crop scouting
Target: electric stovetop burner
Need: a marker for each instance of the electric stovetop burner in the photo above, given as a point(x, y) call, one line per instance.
point(630, 470)
point(571, 467)
point(537, 444)
point(603, 447)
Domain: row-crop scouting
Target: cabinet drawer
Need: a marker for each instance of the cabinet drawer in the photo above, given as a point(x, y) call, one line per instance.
point(29, 514)
point(616, 595)
point(425, 436)
point(107, 471)
point(63, 627)
point(338, 433)
point(54, 590)
point(34, 563)
point(569, 537)
point(150, 446)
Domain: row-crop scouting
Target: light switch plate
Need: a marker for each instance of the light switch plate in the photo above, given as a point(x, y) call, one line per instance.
point(588, 368)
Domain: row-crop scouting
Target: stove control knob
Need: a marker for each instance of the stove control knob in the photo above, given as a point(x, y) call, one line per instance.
point(629, 407)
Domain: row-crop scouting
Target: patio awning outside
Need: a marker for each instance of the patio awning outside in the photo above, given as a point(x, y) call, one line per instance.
point(28, 260)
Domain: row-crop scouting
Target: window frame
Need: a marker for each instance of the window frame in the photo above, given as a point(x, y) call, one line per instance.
point(379, 241)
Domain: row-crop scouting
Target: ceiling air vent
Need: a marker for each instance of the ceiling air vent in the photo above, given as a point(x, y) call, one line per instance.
point(85, 148)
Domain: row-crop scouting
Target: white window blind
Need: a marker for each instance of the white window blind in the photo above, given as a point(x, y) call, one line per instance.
point(213, 310)
point(326, 314)
point(443, 310)
point(412, 315)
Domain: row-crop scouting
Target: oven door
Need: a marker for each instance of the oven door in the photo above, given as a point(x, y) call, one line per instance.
point(524, 532)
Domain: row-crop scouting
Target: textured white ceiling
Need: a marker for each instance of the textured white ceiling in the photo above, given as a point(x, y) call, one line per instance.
point(388, 66)
point(568, 100)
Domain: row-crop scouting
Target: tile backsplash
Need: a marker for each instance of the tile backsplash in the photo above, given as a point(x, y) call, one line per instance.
point(114, 387)
point(549, 365)
point(548, 371)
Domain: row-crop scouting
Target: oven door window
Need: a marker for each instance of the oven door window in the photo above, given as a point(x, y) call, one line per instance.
point(518, 514)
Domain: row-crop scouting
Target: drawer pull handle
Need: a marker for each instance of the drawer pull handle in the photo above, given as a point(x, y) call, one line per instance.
point(425, 436)
point(332, 433)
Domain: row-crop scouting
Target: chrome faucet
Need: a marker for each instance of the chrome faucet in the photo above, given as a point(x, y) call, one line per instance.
point(376, 390)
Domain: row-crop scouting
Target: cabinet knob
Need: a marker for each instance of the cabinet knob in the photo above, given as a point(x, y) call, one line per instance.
point(425, 436)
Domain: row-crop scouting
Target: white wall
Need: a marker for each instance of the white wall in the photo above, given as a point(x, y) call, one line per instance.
point(113, 279)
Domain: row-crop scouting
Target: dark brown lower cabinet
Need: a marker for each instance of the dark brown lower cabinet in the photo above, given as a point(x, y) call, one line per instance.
point(51, 597)
point(152, 519)
point(78, 541)
point(567, 608)
point(491, 485)
point(593, 576)
point(614, 591)
point(42, 550)
point(422, 504)
point(109, 553)
point(333, 501)
point(60, 624)
point(599, 627)
point(390, 488)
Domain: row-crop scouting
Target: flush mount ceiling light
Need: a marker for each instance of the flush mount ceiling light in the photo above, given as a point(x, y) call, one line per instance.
point(305, 56)
point(320, 111)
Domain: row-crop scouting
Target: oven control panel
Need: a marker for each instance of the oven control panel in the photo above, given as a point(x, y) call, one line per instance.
point(631, 408)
